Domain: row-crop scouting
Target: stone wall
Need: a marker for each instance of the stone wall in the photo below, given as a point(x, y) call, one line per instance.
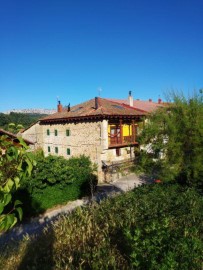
point(89, 138)
point(34, 134)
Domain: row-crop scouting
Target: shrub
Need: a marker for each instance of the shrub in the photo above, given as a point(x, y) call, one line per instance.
point(152, 227)
point(56, 180)
point(173, 141)
point(15, 164)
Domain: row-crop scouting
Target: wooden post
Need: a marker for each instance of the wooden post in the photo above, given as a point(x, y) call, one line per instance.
point(133, 130)
point(121, 131)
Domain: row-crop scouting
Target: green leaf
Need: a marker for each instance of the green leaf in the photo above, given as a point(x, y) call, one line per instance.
point(8, 186)
point(22, 142)
point(7, 198)
point(20, 212)
point(17, 182)
point(1, 207)
point(17, 202)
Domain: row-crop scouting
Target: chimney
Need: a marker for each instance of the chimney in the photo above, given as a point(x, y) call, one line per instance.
point(130, 99)
point(159, 100)
point(150, 100)
point(96, 103)
point(59, 107)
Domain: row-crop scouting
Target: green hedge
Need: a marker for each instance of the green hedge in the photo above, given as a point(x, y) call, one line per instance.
point(56, 180)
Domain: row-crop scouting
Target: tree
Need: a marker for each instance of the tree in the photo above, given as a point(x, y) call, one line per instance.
point(172, 141)
point(15, 164)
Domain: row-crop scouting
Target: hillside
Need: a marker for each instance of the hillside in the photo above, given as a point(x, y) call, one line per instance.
point(24, 119)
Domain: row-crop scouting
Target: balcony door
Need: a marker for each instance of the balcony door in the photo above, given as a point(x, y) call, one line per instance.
point(115, 135)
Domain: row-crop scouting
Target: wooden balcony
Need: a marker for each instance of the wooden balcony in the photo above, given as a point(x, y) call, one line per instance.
point(122, 134)
point(122, 142)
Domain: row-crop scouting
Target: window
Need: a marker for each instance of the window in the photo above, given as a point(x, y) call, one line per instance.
point(68, 151)
point(56, 132)
point(77, 109)
point(118, 152)
point(118, 107)
point(67, 132)
point(49, 149)
point(48, 132)
point(56, 150)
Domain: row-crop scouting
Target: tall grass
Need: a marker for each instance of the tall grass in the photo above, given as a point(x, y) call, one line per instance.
point(152, 227)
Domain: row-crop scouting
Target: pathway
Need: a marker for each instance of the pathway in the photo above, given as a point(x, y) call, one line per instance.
point(36, 225)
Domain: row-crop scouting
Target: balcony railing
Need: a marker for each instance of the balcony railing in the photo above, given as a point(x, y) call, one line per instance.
point(125, 141)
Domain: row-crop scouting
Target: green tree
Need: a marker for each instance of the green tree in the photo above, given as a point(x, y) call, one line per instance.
point(172, 141)
point(15, 164)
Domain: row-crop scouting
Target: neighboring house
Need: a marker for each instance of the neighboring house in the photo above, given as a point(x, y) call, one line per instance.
point(13, 138)
point(102, 129)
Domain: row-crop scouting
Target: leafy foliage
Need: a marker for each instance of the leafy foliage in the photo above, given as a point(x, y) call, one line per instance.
point(153, 227)
point(56, 180)
point(173, 142)
point(15, 164)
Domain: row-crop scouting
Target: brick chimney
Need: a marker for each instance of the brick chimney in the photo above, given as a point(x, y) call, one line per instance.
point(159, 100)
point(150, 100)
point(96, 103)
point(59, 107)
point(130, 99)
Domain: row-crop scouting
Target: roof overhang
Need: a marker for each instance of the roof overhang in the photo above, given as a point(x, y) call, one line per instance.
point(90, 118)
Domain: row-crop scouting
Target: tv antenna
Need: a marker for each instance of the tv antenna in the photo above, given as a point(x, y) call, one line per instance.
point(99, 91)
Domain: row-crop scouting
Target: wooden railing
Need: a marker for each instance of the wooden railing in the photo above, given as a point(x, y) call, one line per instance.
point(118, 141)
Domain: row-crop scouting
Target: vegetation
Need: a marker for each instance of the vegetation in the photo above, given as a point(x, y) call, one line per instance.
point(173, 140)
point(157, 226)
point(56, 180)
point(15, 164)
point(153, 227)
point(14, 121)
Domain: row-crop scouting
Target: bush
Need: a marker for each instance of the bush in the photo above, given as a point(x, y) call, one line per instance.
point(173, 142)
point(153, 227)
point(56, 180)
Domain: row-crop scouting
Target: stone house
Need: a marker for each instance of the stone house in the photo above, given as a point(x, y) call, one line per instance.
point(102, 129)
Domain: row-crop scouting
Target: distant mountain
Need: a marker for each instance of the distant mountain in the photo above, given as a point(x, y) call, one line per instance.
point(32, 111)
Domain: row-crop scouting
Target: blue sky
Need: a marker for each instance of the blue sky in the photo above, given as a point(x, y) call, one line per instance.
point(71, 48)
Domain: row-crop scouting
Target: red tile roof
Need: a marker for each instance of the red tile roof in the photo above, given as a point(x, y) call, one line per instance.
point(145, 106)
point(87, 110)
point(13, 136)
